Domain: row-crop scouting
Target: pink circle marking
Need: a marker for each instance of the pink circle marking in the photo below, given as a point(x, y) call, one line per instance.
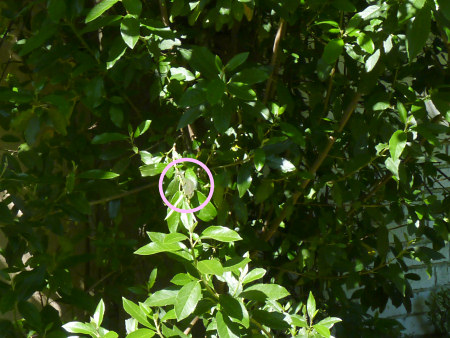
point(201, 206)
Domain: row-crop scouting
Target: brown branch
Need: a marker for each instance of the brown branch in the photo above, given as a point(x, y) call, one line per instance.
point(274, 61)
point(276, 224)
point(164, 16)
point(191, 325)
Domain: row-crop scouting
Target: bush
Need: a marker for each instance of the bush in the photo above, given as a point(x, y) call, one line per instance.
point(438, 315)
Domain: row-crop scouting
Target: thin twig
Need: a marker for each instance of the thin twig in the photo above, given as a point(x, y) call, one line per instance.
point(191, 325)
point(123, 194)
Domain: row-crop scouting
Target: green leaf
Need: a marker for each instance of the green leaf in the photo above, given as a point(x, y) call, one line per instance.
point(130, 30)
point(142, 128)
point(225, 328)
point(56, 10)
point(162, 238)
point(202, 60)
point(392, 165)
point(329, 322)
point(333, 50)
point(78, 327)
point(397, 144)
point(214, 91)
point(253, 275)
point(148, 158)
point(162, 298)
point(261, 292)
point(152, 169)
point(236, 61)
point(322, 330)
point(115, 52)
point(251, 76)
point(210, 267)
point(280, 164)
point(293, 133)
point(142, 333)
point(108, 137)
point(366, 43)
point(209, 212)
point(193, 96)
point(99, 312)
point(298, 321)
point(99, 9)
point(244, 179)
point(274, 320)
point(136, 312)
point(30, 313)
point(38, 40)
point(259, 159)
point(402, 112)
point(190, 116)
point(235, 309)
point(181, 74)
point(344, 5)
point(187, 300)
point(222, 116)
point(110, 334)
point(371, 62)
point(444, 7)
point(241, 91)
point(133, 7)
point(311, 307)
point(235, 263)
point(418, 32)
point(220, 233)
point(154, 248)
point(98, 174)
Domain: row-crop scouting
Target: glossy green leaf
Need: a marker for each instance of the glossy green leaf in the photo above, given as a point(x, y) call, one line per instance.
point(262, 292)
point(236, 61)
point(221, 234)
point(225, 327)
point(187, 300)
point(241, 91)
point(235, 309)
point(259, 159)
point(244, 179)
point(162, 298)
point(215, 91)
point(142, 333)
point(209, 212)
point(418, 32)
point(329, 322)
point(372, 61)
point(253, 275)
point(98, 174)
point(133, 7)
point(152, 169)
point(99, 9)
point(366, 43)
point(142, 128)
point(99, 313)
point(311, 307)
point(333, 50)
point(323, 330)
point(108, 137)
point(78, 327)
point(136, 312)
point(210, 267)
point(130, 30)
point(154, 248)
point(402, 112)
point(397, 144)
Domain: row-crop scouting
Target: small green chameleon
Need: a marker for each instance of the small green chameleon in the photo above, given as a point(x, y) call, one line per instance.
point(188, 185)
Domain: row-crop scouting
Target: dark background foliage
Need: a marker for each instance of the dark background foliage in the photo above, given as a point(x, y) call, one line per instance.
point(333, 127)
